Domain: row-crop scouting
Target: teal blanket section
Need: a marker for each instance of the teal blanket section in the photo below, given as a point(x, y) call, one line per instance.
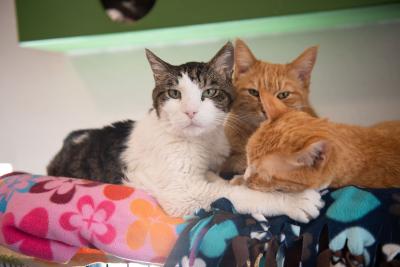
point(362, 203)
point(357, 227)
point(216, 240)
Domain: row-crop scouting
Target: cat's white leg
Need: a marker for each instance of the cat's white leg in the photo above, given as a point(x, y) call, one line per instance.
point(300, 206)
point(179, 197)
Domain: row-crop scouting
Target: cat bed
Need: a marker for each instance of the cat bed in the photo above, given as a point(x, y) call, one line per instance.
point(52, 218)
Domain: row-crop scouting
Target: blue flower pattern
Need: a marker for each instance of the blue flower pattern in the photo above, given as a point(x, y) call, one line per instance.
point(362, 203)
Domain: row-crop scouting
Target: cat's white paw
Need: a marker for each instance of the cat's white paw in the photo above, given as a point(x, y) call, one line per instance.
point(304, 206)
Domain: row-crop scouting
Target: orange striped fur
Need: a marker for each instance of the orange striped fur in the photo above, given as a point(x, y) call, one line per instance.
point(247, 113)
point(294, 151)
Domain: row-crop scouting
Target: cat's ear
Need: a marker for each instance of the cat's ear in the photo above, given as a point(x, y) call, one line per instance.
point(244, 58)
point(222, 62)
point(272, 106)
point(303, 65)
point(314, 155)
point(159, 67)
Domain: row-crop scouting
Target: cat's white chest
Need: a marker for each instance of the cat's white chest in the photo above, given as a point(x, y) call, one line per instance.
point(154, 157)
point(218, 150)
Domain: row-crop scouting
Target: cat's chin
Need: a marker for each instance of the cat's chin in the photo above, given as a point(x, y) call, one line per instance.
point(196, 130)
point(193, 131)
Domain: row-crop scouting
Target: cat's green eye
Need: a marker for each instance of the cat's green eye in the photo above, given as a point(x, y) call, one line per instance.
point(283, 95)
point(175, 94)
point(209, 93)
point(253, 92)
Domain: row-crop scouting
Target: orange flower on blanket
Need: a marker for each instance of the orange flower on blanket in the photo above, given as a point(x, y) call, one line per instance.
point(117, 192)
point(85, 256)
point(152, 223)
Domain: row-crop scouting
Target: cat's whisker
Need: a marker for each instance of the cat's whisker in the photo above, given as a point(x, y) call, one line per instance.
point(245, 117)
point(237, 124)
point(224, 121)
point(299, 107)
point(235, 130)
point(237, 127)
point(251, 123)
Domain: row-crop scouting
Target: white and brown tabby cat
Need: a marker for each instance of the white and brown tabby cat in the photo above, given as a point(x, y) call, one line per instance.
point(294, 151)
point(287, 82)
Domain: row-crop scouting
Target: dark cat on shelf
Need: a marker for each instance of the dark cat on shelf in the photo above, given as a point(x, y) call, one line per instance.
point(127, 10)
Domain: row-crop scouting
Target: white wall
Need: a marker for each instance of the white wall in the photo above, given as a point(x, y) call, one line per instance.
point(44, 95)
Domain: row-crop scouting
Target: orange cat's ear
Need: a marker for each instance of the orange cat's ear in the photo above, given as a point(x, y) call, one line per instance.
point(244, 58)
point(273, 107)
point(303, 65)
point(314, 155)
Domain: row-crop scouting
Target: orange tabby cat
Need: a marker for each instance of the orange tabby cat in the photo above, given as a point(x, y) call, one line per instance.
point(288, 82)
point(294, 151)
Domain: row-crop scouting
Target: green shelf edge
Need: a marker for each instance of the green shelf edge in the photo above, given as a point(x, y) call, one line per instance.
point(222, 30)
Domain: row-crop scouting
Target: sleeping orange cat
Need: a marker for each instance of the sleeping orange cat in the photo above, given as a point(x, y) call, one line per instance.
point(290, 83)
point(294, 151)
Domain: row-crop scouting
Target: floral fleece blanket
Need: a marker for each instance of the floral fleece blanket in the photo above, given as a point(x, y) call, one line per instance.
point(51, 218)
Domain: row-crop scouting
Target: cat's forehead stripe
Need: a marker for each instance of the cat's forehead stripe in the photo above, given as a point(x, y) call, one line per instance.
point(187, 84)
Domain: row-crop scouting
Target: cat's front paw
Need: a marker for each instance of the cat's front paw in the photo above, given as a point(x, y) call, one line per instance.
point(304, 206)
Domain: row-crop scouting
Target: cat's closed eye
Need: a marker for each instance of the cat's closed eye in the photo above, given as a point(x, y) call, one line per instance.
point(175, 94)
point(253, 92)
point(283, 95)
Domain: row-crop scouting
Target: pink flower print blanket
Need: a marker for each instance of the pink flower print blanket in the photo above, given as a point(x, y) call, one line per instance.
point(51, 218)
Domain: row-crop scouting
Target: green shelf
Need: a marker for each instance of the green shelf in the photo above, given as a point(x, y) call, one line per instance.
point(83, 26)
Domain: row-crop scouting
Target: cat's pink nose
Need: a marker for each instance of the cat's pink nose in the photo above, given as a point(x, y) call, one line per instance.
point(190, 114)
